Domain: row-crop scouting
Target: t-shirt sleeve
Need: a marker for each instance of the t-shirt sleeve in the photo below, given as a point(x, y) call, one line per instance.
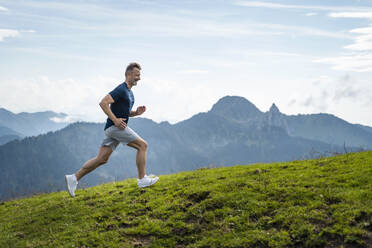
point(116, 94)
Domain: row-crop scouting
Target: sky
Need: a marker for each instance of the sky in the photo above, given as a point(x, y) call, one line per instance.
point(305, 56)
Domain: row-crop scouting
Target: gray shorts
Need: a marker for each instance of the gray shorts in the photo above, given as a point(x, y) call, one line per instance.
point(115, 136)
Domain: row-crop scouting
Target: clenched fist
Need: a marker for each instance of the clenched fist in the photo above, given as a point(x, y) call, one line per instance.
point(140, 110)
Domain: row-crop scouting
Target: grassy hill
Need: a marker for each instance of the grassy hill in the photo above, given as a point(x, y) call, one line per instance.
point(315, 203)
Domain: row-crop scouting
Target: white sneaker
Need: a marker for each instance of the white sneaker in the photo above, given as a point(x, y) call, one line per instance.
point(147, 181)
point(71, 183)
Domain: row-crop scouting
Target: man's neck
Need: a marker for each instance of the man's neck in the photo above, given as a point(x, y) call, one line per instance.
point(128, 84)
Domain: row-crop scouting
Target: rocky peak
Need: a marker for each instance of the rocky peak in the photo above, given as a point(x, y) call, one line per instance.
point(236, 108)
point(274, 118)
point(274, 109)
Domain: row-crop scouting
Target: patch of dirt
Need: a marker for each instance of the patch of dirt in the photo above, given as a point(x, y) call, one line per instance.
point(118, 218)
point(214, 205)
point(20, 235)
point(110, 227)
point(126, 225)
point(198, 196)
point(180, 231)
point(138, 241)
point(102, 218)
point(142, 211)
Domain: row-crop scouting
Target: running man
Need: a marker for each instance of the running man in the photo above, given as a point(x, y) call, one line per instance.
point(117, 105)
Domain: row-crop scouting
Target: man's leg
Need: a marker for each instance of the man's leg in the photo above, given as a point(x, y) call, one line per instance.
point(141, 146)
point(102, 158)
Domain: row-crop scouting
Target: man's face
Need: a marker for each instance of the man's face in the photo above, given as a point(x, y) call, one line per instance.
point(134, 76)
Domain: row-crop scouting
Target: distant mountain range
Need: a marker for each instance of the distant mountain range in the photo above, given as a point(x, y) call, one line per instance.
point(233, 132)
point(17, 126)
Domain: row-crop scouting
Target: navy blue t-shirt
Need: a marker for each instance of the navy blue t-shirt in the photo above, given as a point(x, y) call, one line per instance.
point(123, 103)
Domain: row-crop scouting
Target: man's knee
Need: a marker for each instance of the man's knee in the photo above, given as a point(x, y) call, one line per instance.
point(143, 145)
point(139, 144)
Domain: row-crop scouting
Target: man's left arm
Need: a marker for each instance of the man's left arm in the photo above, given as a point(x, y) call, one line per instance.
point(139, 111)
point(133, 113)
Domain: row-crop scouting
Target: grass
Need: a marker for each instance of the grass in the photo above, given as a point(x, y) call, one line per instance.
point(314, 203)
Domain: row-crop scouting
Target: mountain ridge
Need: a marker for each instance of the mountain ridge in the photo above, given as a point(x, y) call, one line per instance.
point(31, 124)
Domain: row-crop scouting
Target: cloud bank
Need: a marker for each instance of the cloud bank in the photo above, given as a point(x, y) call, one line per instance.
point(6, 33)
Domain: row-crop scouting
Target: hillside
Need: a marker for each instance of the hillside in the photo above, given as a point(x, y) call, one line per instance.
point(312, 203)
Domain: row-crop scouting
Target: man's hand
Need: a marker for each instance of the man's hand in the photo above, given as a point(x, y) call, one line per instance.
point(140, 110)
point(120, 123)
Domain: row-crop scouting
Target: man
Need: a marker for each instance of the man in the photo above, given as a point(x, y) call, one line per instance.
point(117, 105)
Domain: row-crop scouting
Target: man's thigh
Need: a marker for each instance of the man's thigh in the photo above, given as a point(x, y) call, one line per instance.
point(105, 152)
point(124, 136)
point(138, 143)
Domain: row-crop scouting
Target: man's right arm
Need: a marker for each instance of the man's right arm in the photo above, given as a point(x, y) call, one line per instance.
point(105, 105)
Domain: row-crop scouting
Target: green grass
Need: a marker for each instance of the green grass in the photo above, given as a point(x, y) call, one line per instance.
point(313, 203)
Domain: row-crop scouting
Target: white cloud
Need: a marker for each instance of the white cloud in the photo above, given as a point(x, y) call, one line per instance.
point(176, 100)
point(311, 14)
point(11, 33)
point(307, 31)
point(5, 33)
point(77, 98)
point(265, 53)
point(361, 58)
point(194, 71)
point(363, 40)
point(351, 62)
point(272, 5)
point(67, 119)
point(3, 8)
point(352, 15)
point(28, 31)
point(177, 23)
point(346, 97)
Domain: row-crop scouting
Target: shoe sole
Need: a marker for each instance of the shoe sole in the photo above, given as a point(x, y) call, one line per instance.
point(68, 190)
point(157, 179)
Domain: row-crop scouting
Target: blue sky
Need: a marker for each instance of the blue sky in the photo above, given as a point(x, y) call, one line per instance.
point(304, 56)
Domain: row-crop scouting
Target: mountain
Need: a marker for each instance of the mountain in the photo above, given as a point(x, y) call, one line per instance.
point(7, 138)
point(8, 131)
point(7, 134)
point(313, 203)
point(366, 128)
point(329, 129)
point(236, 108)
point(30, 124)
point(322, 127)
point(234, 131)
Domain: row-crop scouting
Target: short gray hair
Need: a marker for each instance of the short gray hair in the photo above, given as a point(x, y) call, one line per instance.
point(131, 66)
